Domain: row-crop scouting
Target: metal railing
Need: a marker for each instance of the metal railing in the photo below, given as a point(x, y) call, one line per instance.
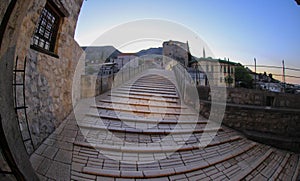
point(20, 105)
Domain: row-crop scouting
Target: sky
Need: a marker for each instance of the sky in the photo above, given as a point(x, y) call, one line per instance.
point(239, 30)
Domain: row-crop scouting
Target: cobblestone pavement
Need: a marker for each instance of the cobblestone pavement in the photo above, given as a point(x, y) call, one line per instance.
point(147, 133)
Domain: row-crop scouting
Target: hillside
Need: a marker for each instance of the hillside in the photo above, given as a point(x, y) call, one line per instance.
point(151, 51)
point(98, 54)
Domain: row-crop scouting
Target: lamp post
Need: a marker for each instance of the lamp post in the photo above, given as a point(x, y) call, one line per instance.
point(255, 72)
point(283, 74)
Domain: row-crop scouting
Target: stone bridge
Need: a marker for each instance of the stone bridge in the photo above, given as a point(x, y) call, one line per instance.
point(142, 130)
point(139, 130)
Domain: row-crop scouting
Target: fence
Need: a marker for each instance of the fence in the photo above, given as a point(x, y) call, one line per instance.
point(292, 74)
point(93, 85)
point(186, 86)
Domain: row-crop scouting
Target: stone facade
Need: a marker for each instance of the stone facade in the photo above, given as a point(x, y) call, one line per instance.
point(48, 79)
point(92, 86)
point(177, 51)
point(218, 71)
point(248, 111)
point(254, 97)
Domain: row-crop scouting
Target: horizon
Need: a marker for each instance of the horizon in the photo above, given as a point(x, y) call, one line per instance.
point(240, 31)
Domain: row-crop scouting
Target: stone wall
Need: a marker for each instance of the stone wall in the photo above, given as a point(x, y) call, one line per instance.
point(253, 97)
point(92, 85)
point(48, 79)
point(3, 7)
point(246, 111)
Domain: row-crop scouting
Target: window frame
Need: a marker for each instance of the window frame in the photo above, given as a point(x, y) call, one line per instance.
point(58, 12)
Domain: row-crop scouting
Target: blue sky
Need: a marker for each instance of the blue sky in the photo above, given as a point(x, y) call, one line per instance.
point(237, 29)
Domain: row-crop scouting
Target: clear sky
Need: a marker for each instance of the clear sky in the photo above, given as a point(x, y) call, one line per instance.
point(237, 29)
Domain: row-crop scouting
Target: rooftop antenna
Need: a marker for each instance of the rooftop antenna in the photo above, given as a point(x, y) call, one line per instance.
point(204, 55)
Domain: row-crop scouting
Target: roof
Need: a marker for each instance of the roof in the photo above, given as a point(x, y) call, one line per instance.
point(217, 60)
point(127, 54)
point(178, 43)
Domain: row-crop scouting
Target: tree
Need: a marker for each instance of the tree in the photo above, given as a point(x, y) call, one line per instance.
point(229, 80)
point(243, 77)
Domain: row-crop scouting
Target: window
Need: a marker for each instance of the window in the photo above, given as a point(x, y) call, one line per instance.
point(270, 101)
point(212, 68)
point(44, 38)
point(224, 69)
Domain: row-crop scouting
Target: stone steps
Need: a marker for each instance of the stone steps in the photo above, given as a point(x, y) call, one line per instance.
point(154, 84)
point(289, 171)
point(145, 111)
point(157, 99)
point(242, 174)
point(145, 94)
point(280, 167)
point(146, 120)
point(148, 131)
point(138, 149)
point(297, 171)
point(129, 146)
point(129, 90)
point(148, 88)
point(132, 103)
point(165, 172)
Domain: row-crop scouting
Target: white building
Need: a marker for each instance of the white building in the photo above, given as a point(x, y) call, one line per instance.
point(272, 87)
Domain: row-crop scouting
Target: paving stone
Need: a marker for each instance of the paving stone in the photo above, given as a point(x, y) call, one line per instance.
point(36, 160)
point(42, 178)
point(101, 178)
point(154, 179)
point(198, 177)
point(77, 166)
point(59, 171)
point(124, 179)
point(41, 149)
point(63, 156)
point(101, 172)
point(50, 152)
point(44, 166)
point(73, 177)
point(64, 145)
point(178, 177)
point(82, 175)
point(132, 174)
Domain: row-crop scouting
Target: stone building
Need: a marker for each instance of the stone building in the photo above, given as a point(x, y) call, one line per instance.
point(124, 58)
point(177, 51)
point(219, 72)
point(42, 33)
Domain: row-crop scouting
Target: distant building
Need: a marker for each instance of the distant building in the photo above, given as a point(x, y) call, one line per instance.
point(198, 76)
point(219, 72)
point(177, 51)
point(123, 59)
point(272, 87)
point(107, 69)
